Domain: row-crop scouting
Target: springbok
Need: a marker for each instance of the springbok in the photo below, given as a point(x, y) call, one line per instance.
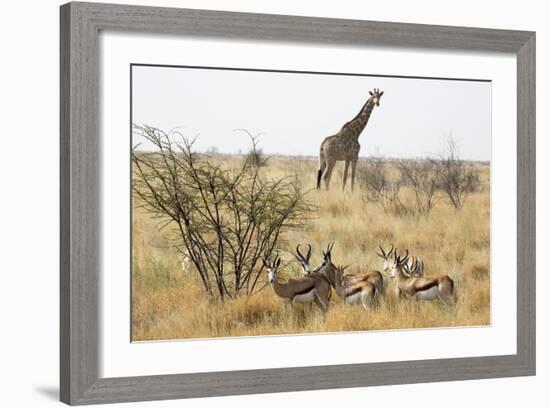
point(350, 288)
point(378, 279)
point(411, 262)
point(314, 288)
point(375, 277)
point(304, 260)
point(439, 287)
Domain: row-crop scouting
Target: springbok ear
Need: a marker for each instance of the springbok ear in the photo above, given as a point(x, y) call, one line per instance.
point(371, 94)
point(381, 93)
point(278, 262)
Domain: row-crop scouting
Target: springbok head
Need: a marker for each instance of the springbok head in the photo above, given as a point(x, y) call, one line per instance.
point(386, 257)
point(376, 94)
point(327, 259)
point(329, 269)
point(340, 272)
point(399, 262)
point(272, 267)
point(304, 259)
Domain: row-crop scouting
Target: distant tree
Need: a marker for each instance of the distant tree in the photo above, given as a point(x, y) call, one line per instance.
point(422, 177)
point(213, 150)
point(456, 178)
point(378, 187)
point(255, 155)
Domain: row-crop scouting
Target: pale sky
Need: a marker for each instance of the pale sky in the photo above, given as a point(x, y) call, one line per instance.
point(294, 112)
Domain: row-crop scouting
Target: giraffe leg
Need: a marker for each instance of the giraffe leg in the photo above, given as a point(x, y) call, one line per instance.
point(328, 173)
point(346, 167)
point(322, 168)
point(353, 166)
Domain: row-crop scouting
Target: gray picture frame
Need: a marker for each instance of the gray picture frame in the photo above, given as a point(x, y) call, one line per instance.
point(80, 236)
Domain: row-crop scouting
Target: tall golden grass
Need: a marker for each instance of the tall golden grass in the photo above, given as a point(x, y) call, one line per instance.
point(169, 303)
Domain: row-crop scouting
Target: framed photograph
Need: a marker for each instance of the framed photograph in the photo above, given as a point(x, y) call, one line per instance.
point(260, 203)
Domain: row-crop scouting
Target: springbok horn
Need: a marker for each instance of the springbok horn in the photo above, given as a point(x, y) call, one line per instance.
point(308, 256)
point(298, 251)
point(329, 250)
point(391, 250)
point(411, 270)
point(382, 254)
point(406, 255)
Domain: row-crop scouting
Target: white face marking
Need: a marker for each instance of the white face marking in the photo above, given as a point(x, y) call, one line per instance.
point(393, 273)
point(305, 268)
point(271, 274)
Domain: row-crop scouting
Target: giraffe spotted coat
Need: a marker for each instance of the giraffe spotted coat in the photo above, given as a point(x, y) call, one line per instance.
point(344, 145)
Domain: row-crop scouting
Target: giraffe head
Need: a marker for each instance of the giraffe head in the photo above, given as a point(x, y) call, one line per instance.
point(376, 94)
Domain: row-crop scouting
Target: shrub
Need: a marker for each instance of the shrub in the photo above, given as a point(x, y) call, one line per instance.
point(377, 186)
point(456, 178)
point(226, 219)
point(421, 176)
point(255, 157)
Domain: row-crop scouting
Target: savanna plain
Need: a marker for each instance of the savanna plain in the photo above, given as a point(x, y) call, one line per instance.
point(169, 301)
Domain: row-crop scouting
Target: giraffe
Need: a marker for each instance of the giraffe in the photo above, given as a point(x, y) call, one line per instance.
point(344, 145)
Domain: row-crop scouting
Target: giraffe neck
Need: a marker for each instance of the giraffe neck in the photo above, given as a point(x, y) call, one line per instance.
point(358, 123)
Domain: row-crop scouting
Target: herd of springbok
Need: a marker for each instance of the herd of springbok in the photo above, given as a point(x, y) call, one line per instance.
point(406, 272)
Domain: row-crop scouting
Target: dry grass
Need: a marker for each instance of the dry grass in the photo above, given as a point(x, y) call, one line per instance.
point(169, 304)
